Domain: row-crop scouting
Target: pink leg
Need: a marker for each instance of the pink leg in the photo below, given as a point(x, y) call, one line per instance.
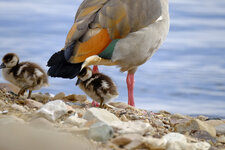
point(130, 87)
point(95, 70)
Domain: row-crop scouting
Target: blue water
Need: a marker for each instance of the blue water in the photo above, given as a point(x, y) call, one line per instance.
point(186, 75)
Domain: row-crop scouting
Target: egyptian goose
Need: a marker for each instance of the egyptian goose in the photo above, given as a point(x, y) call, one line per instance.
point(125, 33)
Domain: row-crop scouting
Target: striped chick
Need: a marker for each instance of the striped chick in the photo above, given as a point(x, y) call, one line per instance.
point(25, 75)
point(98, 86)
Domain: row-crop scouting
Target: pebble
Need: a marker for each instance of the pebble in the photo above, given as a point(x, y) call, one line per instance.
point(74, 120)
point(100, 115)
point(33, 104)
point(53, 110)
point(195, 125)
point(60, 95)
point(100, 132)
point(18, 108)
point(220, 129)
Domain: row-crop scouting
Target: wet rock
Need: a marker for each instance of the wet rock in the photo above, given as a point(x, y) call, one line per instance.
point(18, 108)
point(33, 104)
point(60, 95)
point(74, 120)
point(41, 123)
point(220, 129)
point(100, 115)
point(53, 110)
point(132, 127)
point(100, 132)
point(195, 125)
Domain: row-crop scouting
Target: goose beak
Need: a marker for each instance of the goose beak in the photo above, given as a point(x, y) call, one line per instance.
point(78, 81)
point(2, 66)
point(92, 60)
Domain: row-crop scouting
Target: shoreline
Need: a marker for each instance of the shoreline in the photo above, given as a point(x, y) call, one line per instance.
point(118, 126)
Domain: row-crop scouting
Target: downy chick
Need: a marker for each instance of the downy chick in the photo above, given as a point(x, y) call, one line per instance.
point(25, 75)
point(98, 86)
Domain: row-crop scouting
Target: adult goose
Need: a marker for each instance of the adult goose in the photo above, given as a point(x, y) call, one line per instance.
point(125, 33)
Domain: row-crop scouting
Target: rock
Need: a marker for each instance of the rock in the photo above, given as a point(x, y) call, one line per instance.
point(33, 104)
point(100, 115)
point(4, 112)
point(220, 129)
point(18, 108)
point(202, 118)
point(155, 143)
point(16, 136)
point(41, 123)
point(203, 135)
point(100, 132)
point(132, 127)
point(74, 120)
point(2, 104)
point(53, 110)
point(126, 139)
point(215, 122)
point(60, 95)
point(10, 120)
point(74, 97)
point(221, 139)
point(78, 131)
point(195, 125)
point(43, 98)
point(9, 87)
point(135, 144)
point(174, 141)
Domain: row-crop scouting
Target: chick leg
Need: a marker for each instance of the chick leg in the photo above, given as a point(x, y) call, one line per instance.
point(101, 104)
point(95, 70)
point(29, 95)
point(22, 90)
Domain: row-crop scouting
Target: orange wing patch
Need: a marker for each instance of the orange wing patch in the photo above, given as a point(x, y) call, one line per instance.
point(93, 46)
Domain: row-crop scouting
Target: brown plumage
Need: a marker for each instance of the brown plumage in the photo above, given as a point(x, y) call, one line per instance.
point(25, 75)
point(98, 86)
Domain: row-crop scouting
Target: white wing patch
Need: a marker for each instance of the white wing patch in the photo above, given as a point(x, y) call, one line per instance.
point(38, 72)
point(20, 69)
point(159, 19)
point(105, 85)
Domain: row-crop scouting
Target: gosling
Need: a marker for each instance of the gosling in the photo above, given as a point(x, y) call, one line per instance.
point(25, 75)
point(98, 86)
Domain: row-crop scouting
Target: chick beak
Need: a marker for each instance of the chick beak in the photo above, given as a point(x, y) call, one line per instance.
point(2, 66)
point(78, 81)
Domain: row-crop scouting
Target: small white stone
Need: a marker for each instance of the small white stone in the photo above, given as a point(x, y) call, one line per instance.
point(53, 110)
point(132, 127)
point(19, 108)
point(100, 115)
point(75, 120)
